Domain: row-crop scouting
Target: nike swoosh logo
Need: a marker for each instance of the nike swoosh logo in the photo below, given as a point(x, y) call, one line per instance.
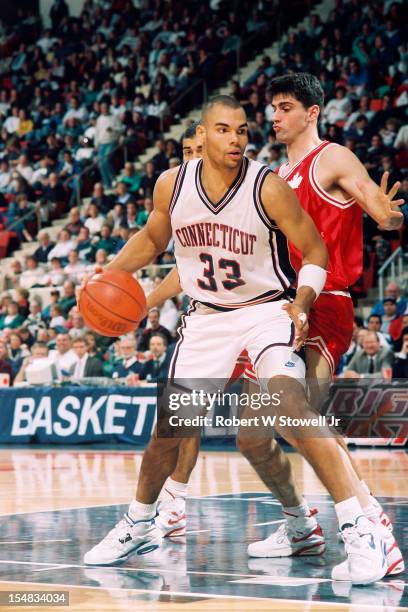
point(174, 521)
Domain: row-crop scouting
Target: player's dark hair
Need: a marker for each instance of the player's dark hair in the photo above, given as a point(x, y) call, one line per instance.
point(190, 131)
point(302, 86)
point(221, 100)
point(375, 316)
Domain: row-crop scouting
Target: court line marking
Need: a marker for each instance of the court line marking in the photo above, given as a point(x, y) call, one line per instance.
point(52, 567)
point(32, 541)
point(159, 570)
point(218, 497)
point(190, 594)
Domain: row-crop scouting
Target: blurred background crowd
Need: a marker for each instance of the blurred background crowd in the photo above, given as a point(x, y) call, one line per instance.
point(82, 99)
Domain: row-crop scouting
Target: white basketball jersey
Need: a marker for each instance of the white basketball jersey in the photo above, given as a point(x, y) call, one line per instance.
point(229, 254)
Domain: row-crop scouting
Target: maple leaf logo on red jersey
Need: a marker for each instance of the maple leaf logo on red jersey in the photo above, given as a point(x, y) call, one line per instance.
point(295, 182)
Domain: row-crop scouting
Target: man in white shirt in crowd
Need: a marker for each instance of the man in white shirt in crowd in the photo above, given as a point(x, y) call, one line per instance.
point(5, 175)
point(31, 371)
point(107, 131)
point(12, 122)
point(63, 247)
point(23, 167)
point(32, 275)
point(64, 358)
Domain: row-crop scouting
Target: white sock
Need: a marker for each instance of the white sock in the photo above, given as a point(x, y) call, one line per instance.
point(141, 512)
point(374, 501)
point(294, 512)
point(173, 489)
point(348, 511)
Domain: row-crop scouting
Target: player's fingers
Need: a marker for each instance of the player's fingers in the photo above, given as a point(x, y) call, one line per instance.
point(392, 192)
point(384, 181)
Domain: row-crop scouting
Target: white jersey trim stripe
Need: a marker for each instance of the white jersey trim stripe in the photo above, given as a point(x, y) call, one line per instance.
point(321, 345)
point(177, 186)
point(284, 175)
point(319, 189)
point(229, 194)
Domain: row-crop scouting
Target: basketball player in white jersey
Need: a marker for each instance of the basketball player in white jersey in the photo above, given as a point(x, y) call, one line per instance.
point(231, 219)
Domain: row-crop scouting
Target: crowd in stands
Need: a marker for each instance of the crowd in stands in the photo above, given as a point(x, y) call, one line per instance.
point(81, 87)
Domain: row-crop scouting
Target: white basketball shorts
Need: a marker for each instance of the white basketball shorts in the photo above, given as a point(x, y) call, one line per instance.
point(209, 342)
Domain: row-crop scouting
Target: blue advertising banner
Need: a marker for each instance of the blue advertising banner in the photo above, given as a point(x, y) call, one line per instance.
point(76, 415)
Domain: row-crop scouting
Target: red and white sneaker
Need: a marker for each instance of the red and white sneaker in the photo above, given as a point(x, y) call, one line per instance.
point(393, 555)
point(171, 519)
point(298, 537)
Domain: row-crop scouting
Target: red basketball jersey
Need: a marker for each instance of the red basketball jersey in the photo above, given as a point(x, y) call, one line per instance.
point(339, 222)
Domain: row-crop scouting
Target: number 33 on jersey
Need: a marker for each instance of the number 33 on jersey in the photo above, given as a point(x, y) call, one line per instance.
point(229, 254)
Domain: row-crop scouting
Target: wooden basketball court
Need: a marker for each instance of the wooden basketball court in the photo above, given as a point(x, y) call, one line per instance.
point(56, 504)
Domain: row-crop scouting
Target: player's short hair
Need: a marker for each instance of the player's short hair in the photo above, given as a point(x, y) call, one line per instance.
point(190, 131)
point(221, 100)
point(303, 86)
point(375, 316)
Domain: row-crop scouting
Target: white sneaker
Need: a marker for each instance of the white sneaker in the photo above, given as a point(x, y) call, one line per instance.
point(295, 538)
point(394, 558)
point(127, 537)
point(171, 519)
point(366, 554)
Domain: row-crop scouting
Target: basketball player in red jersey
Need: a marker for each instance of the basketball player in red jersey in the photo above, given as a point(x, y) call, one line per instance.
point(333, 187)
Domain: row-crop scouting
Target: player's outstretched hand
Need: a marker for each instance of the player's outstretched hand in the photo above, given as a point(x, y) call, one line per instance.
point(387, 206)
point(300, 321)
point(86, 278)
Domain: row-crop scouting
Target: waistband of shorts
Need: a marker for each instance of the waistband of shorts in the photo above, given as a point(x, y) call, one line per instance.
point(283, 295)
point(344, 293)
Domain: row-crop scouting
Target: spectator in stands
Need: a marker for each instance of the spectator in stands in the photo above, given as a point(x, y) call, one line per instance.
point(131, 215)
point(64, 245)
point(116, 217)
point(149, 178)
point(105, 241)
point(101, 199)
point(57, 317)
point(124, 233)
point(56, 274)
point(33, 275)
point(122, 194)
point(5, 363)
point(107, 133)
point(143, 215)
point(17, 351)
point(372, 362)
point(400, 368)
point(391, 321)
point(68, 299)
point(157, 368)
point(74, 222)
point(86, 366)
point(374, 324)
point(41, 253)
point(75, 269)
point(159, 162)
point(20, 212)
point(13, 319)
point(391, 290)
point(84, 244)
point(39, 350)
point(338, 108)
point(76, 324)
point(130, 178)
point(63, 356)
point(94, 220)
point(34, 320)
point(153, 326)
point(129, 363)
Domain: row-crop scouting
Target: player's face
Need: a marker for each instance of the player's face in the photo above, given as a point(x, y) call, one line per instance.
point(291, 118)
point(192, 149)
point(225, 135)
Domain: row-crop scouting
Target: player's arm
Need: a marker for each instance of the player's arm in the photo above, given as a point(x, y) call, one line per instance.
point(168, 288)
point(153, 239)
point(282, 205)
point(347, 171)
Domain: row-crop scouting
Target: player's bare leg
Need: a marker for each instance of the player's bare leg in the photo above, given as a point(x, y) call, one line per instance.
point(171, 519)
point(318, 377)
point(137, 532)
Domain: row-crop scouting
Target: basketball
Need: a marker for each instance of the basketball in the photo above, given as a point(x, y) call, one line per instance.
point(112, 303)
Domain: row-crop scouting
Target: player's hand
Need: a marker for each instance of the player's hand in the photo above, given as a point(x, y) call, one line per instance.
point(388, 211)
point(86, 278)
point(299, 318)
